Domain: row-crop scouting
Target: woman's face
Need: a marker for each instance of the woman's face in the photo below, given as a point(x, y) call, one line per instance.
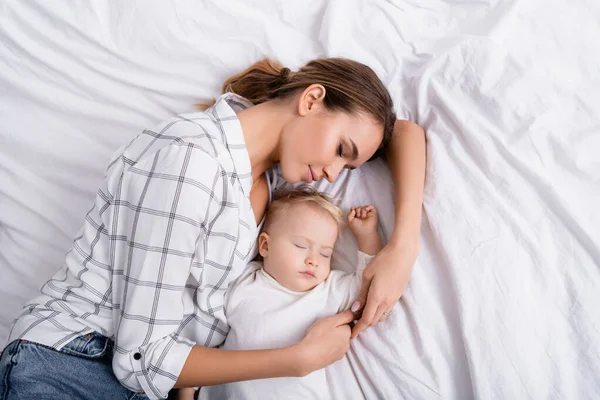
point(318, 143)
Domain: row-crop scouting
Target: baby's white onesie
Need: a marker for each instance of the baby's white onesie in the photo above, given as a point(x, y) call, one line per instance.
point(263, 314)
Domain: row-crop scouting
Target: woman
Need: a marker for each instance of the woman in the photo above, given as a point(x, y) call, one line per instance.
point(137, 307)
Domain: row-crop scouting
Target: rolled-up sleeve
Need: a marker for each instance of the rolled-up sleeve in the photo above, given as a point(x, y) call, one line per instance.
point(159, 218)
point(347, 287)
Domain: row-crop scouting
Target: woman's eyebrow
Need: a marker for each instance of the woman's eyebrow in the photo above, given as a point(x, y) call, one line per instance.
point(354, 150)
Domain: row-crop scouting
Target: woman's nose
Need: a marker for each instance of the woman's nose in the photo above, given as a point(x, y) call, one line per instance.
point(331, 172)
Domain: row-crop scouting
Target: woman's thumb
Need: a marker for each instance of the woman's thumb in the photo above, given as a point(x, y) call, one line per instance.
point(345, 317)
point(361, 300)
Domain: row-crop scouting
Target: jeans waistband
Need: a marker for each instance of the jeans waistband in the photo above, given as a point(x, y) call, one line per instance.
point(92, 345)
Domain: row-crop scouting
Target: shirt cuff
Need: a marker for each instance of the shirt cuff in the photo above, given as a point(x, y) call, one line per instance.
point(157, 366)
point(362, 260)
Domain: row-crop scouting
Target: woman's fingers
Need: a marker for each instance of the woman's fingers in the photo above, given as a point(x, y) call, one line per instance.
point(368, 314)
point(387, 312)
point(382, 314)
point(343, 318)
point(371, 315)
point(327, 340)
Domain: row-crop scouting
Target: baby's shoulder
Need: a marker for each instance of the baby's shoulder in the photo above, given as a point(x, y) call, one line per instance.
point(249, 273)
point(245, 287)
point(336, 274)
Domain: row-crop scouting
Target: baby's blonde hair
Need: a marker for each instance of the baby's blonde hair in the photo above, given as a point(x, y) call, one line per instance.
point(286, 199)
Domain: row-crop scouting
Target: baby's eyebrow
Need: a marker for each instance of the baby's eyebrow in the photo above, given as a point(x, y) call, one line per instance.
point(303, 238)
point(326, 248)
point(313, 242)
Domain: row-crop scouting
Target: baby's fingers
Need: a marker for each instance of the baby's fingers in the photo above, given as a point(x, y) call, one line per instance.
point(351, 214)
point(371, 212)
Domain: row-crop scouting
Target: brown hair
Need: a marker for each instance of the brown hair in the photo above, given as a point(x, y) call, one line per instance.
point(284, 200)
point(350, 87)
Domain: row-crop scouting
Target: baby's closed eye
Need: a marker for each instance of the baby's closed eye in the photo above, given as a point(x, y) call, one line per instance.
point(326, 253)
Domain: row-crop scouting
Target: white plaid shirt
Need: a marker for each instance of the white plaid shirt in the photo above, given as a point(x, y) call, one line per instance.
point(170, 228)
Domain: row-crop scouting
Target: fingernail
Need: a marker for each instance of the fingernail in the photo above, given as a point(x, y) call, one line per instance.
point(355, 306)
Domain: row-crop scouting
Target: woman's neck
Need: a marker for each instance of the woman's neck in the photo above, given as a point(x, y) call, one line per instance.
point(262, 125)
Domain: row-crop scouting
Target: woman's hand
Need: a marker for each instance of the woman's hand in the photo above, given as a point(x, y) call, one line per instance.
point(384, 281)
point(325, 342)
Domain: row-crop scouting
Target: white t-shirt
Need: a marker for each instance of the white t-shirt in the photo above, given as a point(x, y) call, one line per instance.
point(263, 314)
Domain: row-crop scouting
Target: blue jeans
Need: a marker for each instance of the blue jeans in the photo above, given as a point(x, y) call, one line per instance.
point(80, 370)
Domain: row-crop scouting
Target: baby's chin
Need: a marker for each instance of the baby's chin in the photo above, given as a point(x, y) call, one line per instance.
point(307, 287)
point(303, 286)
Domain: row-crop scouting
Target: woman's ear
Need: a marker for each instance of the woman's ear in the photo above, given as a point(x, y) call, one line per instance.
point(263, 244)
point(311, 99)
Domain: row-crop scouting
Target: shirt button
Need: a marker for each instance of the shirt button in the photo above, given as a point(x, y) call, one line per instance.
point(137, 356)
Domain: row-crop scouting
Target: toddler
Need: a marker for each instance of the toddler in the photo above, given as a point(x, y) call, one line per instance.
point(275, 301)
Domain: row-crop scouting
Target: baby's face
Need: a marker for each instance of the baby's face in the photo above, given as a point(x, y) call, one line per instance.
point(297, 251)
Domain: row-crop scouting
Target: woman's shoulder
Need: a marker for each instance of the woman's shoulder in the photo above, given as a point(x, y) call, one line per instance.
point(211, 135)
point(174, 136)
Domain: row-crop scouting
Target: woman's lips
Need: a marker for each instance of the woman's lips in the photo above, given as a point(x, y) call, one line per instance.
point(309, 175)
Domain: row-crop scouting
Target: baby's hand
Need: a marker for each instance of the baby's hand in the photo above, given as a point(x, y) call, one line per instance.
point(363, 220)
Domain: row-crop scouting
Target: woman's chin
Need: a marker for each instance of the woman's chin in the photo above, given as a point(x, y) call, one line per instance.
point(291, 179)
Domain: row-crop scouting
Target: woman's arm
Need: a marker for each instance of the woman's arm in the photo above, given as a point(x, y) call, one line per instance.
point(325, 342)
point(385, 278)
point(209, 366)
point(406, 158)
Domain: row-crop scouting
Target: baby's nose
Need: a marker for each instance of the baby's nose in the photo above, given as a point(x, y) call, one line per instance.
point(312, 261)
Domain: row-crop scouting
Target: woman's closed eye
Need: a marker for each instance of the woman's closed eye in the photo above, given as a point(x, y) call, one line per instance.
point(340, 153)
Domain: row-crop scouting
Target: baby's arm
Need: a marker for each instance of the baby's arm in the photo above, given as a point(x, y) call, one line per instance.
point(363, 222)
point(346, 286)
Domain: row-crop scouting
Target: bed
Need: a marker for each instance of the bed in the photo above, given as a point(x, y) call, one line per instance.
point(505, 295)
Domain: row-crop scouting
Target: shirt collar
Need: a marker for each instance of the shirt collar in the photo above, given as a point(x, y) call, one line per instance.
point(224, 111)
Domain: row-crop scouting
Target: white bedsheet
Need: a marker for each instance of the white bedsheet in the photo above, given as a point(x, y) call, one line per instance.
point(503, 303)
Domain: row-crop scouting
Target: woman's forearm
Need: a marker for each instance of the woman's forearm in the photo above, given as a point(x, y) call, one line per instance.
point(406, 159)
point(208, 366)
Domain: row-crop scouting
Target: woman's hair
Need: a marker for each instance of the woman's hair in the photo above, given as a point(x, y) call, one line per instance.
point(284, 200)
point(350, 86)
